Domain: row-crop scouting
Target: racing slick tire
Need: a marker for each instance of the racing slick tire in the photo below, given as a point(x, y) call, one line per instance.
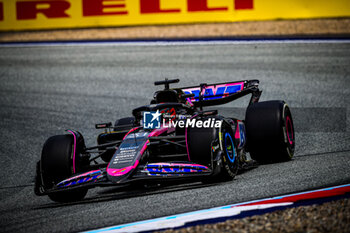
point(270, 131)
point(200, 141)
point(56, 164)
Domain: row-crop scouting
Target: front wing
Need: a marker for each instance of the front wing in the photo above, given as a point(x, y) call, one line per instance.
point(151, 171)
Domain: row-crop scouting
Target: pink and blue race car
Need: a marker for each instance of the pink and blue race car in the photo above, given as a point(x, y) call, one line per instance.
point(175, 137)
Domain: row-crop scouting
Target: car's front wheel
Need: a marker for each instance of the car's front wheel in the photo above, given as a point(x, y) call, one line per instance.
point(58, 162)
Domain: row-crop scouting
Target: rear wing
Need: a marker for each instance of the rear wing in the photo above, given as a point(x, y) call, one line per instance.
point(222, 93)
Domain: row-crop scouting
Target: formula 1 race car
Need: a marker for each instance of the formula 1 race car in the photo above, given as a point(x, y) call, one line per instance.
point(172, 138)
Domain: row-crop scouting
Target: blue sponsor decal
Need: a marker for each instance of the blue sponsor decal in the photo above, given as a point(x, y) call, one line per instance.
point(230, 148)
point(155, 169)
point(151, 120)
point(219, 93)
point(214, 92)
point(84, 178)
point(241, 134)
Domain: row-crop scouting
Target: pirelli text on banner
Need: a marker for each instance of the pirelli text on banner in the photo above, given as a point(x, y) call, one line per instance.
point(48, 14)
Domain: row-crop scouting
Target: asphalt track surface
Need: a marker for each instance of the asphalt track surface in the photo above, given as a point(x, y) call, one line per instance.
point(45, 90)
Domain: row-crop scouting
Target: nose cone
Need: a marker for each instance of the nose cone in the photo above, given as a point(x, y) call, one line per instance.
point(126, 159)
point(121, 171)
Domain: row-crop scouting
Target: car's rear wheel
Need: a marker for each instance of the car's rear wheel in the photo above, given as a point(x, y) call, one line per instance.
point(270, 131)
point(59, 162)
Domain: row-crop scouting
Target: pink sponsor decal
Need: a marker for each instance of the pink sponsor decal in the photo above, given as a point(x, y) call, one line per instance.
point(158, 132)
point(289, 126)
point(132, 130)
point(214, 89)
point(188, 152)
point(237, 133)
point(121, 171)
point(81, 175)
point(144, 147)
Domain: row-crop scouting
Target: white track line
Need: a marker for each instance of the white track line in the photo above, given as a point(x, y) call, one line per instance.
point(176, 43)
point(180, 220)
